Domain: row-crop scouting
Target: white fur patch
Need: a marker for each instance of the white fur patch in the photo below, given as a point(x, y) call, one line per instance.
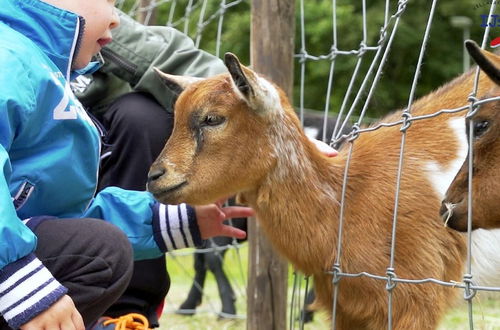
point(289, 151)
point(441, 176)
point(266, 99)
point(268, 96)
point(293, 162)
point(485, 262)
point(311, 132)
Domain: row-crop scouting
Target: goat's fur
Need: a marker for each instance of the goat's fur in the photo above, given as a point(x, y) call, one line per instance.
point(486, 157)
point(238, 133)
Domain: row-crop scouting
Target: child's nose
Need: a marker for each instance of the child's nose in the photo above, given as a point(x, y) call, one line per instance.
point(115, 20)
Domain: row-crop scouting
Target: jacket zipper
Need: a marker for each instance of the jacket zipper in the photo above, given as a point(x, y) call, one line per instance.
point(23, 194)
point(120, 61)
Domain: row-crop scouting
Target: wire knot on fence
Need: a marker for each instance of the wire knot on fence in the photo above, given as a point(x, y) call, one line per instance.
point(336, 273)
point(473, 106)
point(391, 275)
point(401, 8)
point(469, 292)
point(407, 120)
point(354, 134)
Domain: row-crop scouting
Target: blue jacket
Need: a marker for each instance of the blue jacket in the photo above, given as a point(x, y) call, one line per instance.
point(49, 153)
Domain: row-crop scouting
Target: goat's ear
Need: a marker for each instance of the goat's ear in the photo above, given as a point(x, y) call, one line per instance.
point(260, 94)
point(488, 62)
point(176, 83)
point(238, 75)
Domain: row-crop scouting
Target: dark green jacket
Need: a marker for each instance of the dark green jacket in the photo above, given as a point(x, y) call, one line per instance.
point(129, 59)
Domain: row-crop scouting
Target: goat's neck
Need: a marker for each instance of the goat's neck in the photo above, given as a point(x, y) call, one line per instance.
point(297, 203)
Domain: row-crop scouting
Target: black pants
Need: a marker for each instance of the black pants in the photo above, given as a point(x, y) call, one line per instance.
point(137, 130)
point(90, 257)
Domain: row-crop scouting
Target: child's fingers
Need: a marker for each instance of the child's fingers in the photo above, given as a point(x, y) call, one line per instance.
point(231, 231)
point(238, 212)
point(221, 201)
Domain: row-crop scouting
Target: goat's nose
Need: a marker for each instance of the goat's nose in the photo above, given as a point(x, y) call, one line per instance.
point(155, 174)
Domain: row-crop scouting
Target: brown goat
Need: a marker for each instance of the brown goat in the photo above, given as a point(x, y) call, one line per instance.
point(237, 133)
point(486, 158)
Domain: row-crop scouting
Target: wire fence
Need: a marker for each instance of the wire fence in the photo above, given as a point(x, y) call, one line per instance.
point(192, 17)
point(360, 103)
point(196, 17)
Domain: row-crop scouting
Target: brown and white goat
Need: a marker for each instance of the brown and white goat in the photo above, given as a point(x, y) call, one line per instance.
point(486, 158)
point(237, 133)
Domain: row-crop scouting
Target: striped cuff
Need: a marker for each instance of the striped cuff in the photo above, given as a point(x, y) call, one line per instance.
point(175, 227)
point(27, 289)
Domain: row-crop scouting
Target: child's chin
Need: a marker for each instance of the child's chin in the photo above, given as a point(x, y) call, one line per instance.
point(80, 63)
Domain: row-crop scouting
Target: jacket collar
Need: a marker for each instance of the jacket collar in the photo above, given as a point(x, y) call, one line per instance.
point(57, 32)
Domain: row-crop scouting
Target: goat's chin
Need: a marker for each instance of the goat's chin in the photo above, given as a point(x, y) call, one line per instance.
point(167, 199)
point(457, 224)
point(178, 196)
point(168, 194)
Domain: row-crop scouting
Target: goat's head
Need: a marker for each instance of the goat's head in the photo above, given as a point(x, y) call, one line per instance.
point(486, 157)
point(220, 143)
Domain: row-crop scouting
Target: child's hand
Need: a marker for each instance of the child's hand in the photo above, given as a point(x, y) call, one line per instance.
point(62, 315)
point(210, 219)
point(324, 148)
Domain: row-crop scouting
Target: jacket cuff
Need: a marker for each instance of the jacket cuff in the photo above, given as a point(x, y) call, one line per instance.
point(27, 289)
point(175, 227)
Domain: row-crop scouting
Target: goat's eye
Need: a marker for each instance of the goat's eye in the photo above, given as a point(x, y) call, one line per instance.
point(212, 120)
point(480, 127)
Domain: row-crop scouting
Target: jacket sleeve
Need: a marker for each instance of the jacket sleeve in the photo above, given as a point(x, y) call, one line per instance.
point(137, 48)
point(152, 228)
point(27, 288)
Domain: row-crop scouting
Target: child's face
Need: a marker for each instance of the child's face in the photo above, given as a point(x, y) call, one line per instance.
point(100, 17)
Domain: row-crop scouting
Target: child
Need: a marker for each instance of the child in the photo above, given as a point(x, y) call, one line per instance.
point(61, 266)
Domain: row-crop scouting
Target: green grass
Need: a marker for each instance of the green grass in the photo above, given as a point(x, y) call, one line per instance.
point(486, 308)
point(486, 314)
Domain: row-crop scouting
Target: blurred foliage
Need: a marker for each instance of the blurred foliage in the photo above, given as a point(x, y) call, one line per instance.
point(442, 62)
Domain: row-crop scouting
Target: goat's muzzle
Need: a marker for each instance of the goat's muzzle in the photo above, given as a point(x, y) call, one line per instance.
point(155, 173)
point(162, 189)
point(451, 218)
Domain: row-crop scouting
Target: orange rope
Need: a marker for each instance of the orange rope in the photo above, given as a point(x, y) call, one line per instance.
point(132, 321)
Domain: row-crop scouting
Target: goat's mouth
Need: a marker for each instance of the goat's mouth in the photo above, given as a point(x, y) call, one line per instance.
point(165, 195)
point(453, 216)
point(447, 212)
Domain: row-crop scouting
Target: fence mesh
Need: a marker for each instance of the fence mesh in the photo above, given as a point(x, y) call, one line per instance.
point(367, 56)
point(353, 108)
